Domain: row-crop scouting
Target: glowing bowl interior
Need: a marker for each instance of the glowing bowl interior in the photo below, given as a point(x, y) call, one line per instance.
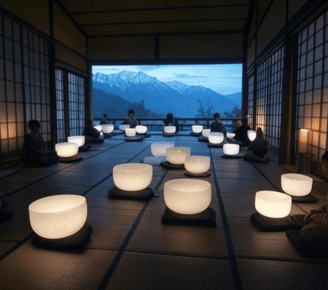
point(159, 149)
point(231, 149)
point(79, 140)
point(141, 129)
point(169, 129)
point(58, 216)
point(251, 135)
point(98, 127)
point(296, 184)
point(273, 204)
point(197, 129)
point(197, 164)
point(177, 155)
point(66, 149)
point(130, 132)
point(187, 196)
point(206, 133)
point(216, 138)
point(107, 129)
point(231, 135)
point(132, 176)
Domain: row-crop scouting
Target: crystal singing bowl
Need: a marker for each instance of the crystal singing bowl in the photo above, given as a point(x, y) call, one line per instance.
point(251, 135)
point(177, 155)
point(206, 133)
point(141, 129)
point(296, 184)
point(107, 129)
point(79, 140)
point(169, 129)
point(197, 129)
point(132, 176)
point(231, 135)
point(159, 149)
point(197, 164)
point(66, 149)
point(230, 149)
point(273, 204)
point(216, 138)
point(130, 132)
point(99, 128)
point(187, 196)
point(58, 216)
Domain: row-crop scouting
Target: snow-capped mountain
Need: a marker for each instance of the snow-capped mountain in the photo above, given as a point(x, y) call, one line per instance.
point(175, 97)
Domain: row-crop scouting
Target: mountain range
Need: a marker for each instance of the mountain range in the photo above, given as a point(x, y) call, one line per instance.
point(162, 97)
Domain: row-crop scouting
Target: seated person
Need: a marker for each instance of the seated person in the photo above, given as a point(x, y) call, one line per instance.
point(257, 150)
point(92, 135)
point(104, 120)
point(131, 120)
point(241, 133)
point(34, 153)
point(217, 126)
point(315, 223)
point(170, 121)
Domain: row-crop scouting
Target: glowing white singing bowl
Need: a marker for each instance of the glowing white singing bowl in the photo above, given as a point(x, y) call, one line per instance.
point(296, 184)
point(169, 129)
point(141, 129)
point(130, 132)
point(187, 196)
point(58, 216)
point(251, 135)
point(132, 176)
point(230, 149)
point(66, 149)
point(159, 149)
point(197, 164)
point(79, 140)
point(273, 204)
point(99, 128)
point(177, 155)
point(206, 133)
point(107, 129)
point(123, 127)
point(216, 138)
point(197, 129)
point(231, 135)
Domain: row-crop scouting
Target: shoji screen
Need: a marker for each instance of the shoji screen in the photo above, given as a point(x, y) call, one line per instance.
point(250, 100)
point(60, 109)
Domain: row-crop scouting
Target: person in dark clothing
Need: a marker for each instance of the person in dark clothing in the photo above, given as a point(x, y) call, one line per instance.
point(241, 133)
point(217, 126)
point(131, 120)
point(92, 135)
point(170, 121)
point(34, 153)
point(104, 120)
point(257, 151)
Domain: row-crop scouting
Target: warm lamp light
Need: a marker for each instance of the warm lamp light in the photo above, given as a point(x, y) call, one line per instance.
point(177, 155)
point(197, 129)
point(159, 149)
point(273, 204)
point(230, 149)
point(66, 149)
point(197, 164)
point(251, 135)
point(216, 138)
point(303, 140)
point(108, 129)
point(132, 176)
point(296, 184)
point(99, 128)
point(187, 196)
point(130, 132)
point(231, 135)
point(141, 129)
point(58, 216)
point(206, 133)
point(123, 127)
point(79, 140)
point(170, 129)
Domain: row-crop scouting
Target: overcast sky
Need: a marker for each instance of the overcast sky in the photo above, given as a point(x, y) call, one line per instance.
point(224, 79)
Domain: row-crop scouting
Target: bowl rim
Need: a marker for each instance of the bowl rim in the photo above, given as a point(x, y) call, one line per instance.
point(142, 167)
point(169, 183)
point(283, 196)
point(290, 176)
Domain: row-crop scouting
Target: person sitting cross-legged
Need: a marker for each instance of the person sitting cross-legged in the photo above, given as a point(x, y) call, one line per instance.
point(257, 151)
point(92, 135)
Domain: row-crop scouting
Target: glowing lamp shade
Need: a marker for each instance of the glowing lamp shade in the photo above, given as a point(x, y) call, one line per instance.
point(187, 196)
point(197, 164)
point(132, 176)
point(197, 129)
point(177, 155)
point(169, 129)
point(273, 204)
point(231, 135)
point(107, 129)
point(216, 138)
point(159, 149)
point(66, 149)
point(206, 133)
point(99, 128)
point(141, 129)
point(130, 132)
point(251, 135)
point(296, 184)
point(58, 216)
point(79, 140)
point(230, 149)
point(303, 140)
point(123, 127)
